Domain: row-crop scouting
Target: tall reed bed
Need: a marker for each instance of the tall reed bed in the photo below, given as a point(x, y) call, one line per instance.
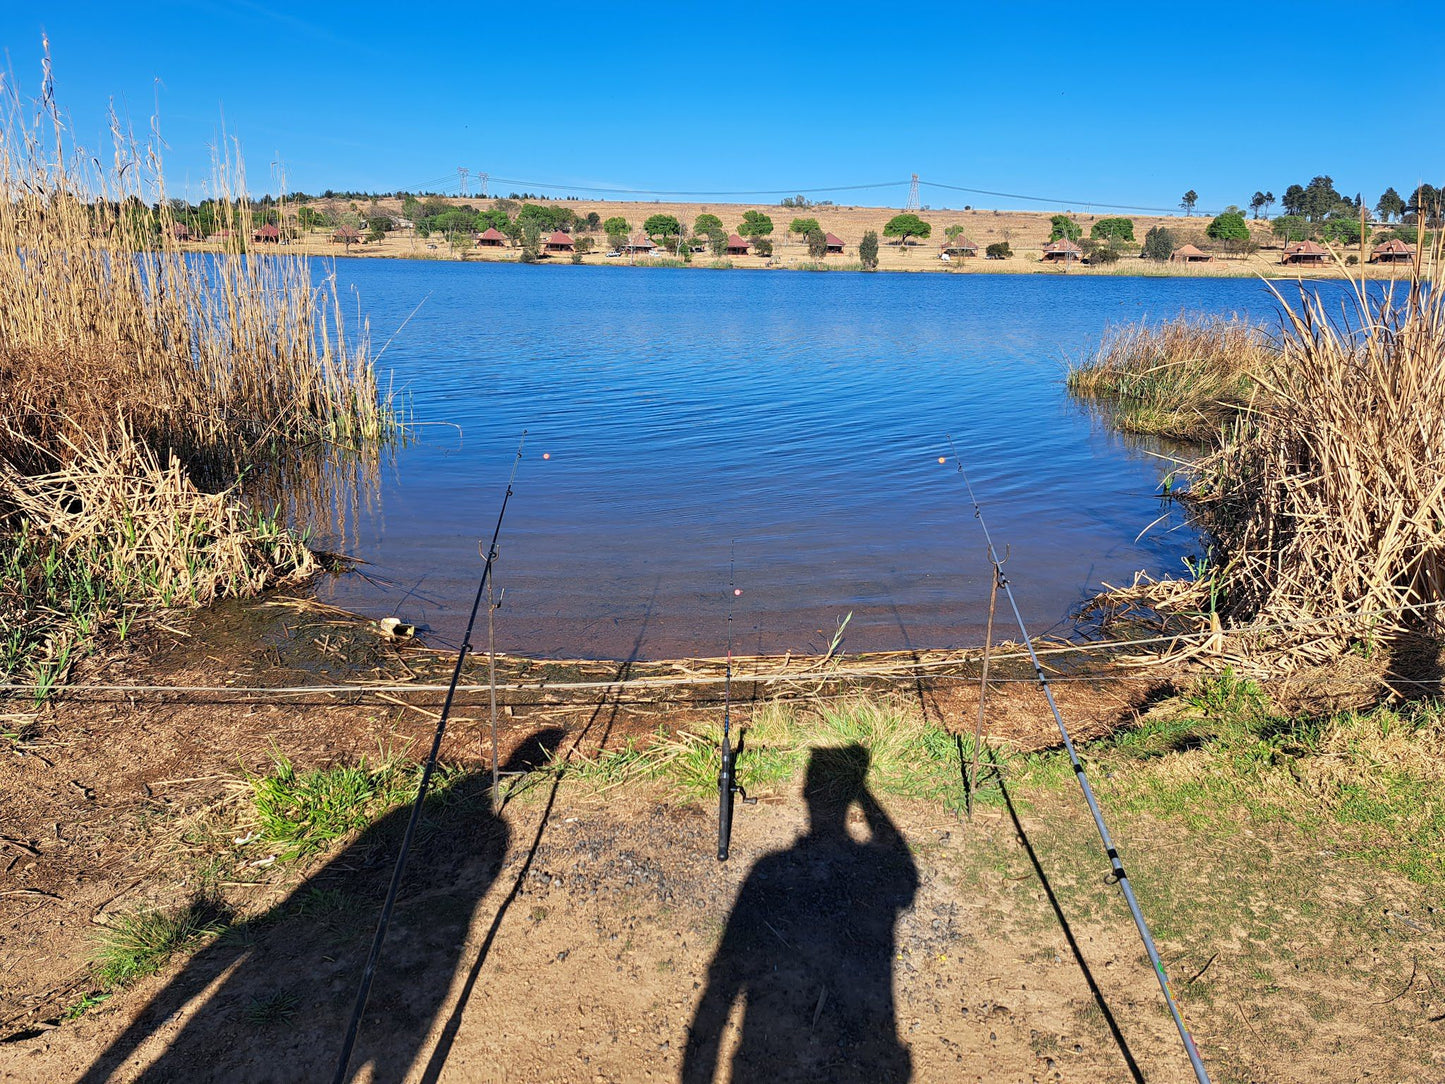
point(1180, 378)
point(1325, 502)
point(103, 313)
point(138, 383)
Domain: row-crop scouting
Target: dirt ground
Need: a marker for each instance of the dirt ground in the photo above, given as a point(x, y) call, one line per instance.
point(590, 935)
point(1026, 231)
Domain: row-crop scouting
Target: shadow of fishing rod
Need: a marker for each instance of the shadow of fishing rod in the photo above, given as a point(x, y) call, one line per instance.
point(608, 708)
point(1068, 930)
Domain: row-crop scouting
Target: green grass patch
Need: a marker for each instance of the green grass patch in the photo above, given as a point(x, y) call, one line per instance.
point(297, 814)
point(908, 757)
point(141, 943)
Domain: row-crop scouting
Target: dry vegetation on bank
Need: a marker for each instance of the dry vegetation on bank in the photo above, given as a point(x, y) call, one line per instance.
point(137, 382)
point(1324, 498)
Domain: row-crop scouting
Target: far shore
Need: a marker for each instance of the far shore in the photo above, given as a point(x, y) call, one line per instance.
point(1026, 232)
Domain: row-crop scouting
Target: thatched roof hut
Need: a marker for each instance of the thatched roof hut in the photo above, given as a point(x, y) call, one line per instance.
point(835, 244)
point(1392, 251)
point(1190, 254)
point(1305, 252)
point(1062, 250)
point(736, 245)
point(960, 246)
point(559, 242)
point(491, 237)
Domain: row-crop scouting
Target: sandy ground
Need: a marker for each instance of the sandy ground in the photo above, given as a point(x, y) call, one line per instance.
point(589, 935)
point(1026, 231)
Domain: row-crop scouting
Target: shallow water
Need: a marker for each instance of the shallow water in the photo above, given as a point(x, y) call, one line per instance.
point(801, 415)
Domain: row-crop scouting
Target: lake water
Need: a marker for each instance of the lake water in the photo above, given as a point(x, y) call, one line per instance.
point(799, 415)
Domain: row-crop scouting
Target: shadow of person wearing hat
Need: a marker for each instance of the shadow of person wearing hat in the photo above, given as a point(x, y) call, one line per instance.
point(809, 948)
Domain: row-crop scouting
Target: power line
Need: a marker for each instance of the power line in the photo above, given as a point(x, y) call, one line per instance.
point(1049, 199)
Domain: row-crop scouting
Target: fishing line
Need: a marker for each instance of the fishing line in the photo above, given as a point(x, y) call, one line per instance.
point(1117, 876)
point(353, 1028)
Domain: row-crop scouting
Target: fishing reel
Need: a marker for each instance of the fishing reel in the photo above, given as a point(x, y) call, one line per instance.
point(727, 786)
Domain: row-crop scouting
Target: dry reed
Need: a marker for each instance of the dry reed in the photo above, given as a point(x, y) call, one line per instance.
point(102, 308)
point(1325, 505)
point(138, 382)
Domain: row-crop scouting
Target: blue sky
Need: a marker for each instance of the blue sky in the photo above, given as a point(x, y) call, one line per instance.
point(1080, 105)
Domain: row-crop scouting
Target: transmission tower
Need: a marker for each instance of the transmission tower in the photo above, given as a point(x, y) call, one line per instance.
point(462, 172)
point(483, 179)
point(912, 204)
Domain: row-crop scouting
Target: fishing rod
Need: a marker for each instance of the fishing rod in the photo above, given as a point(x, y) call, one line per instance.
point(1117, 874)
point(369, 972)
point(727, 784)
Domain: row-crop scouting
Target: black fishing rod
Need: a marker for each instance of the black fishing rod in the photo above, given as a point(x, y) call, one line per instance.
point(1117, 874)
point(364, 991)
point(727, 784)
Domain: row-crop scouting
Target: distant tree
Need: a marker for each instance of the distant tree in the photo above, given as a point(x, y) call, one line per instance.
point(1064, 226)
point(1342, 229)
point(1256, 201)
point(347, 235)
point(433, 206)
point(1293, 201)
point(379, 226)
point(999, 250)
point(717, 241)
point(664, 229)
point(1188, 200)
point(1321, 199)
point(592, 222)
point(1107, 228)
point(953, 231)
point(705, 224)
point(616, 224)
point(411, 209)
point(616, 241)
point(1424, 206)
point(755, 224)
point(905, 226)
point(868, 251)
point(1158, 244)
point(1292, 228)
point(1391, 205)
point(506, 206)
point(803, 226)
point(762, 246)
point(310, 219)
point(801, 203)
point(1231, 228)
point(531, 239)
point(583, 245)
point(817, 243)
point(1268, 202)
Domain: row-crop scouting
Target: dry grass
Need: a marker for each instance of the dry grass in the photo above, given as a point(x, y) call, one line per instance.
point(1181, 378)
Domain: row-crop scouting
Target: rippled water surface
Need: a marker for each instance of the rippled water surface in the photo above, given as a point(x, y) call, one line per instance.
point(800, 414)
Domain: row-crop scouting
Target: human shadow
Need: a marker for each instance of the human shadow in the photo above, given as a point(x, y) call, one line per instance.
point(279, 987)
point(809, 948)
